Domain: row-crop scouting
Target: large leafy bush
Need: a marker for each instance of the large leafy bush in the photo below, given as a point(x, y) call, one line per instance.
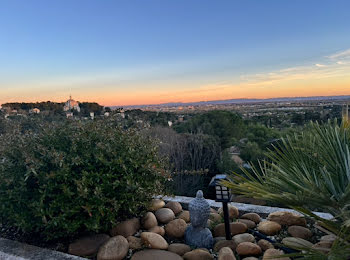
point(76, 177)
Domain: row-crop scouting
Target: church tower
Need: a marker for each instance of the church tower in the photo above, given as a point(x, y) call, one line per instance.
point(71, 104)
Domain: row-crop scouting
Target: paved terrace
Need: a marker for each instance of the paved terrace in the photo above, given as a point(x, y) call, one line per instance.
point(13, 250)
point(263, 211)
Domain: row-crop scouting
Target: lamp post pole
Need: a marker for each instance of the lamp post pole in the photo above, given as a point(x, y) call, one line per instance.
point(227, 221)
point(222, 194)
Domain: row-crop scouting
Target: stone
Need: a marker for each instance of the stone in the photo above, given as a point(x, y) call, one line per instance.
point(235, 227)
point(153, 240)
point(252, 216)
point(149, 221)
point(197, 234)
point(219, 230)
point(233, 212)
point(134, 242)
point(158, 230)
point(299, 231)
point(185, 215)
point(213, 210)
point(296, 243)
point(270, 253)
point(286, 218)
point(156, 204)
point(198, 254)
point(215, 217)
point(176, 228)
point(116, 248)
point(164, 215)
point(264, 244)
point(174, 206)
point(269, 228)
point(323, 246)
point(245, 237)
point(248, 248)
point(238, 228)
point(155, 254)
point(250, 224)
point(126, 228)
point(217, 239)
point(179, 248)
point(226, 253)
point(330, 238)
point(245, 200)
point(224, 243)
point(87, 246)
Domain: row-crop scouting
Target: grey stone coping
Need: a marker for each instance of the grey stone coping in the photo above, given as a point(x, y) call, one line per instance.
point(13, 250)
point(264, 211)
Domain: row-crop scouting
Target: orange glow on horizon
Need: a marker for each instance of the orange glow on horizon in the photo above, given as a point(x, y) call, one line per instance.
point(227, 92)
point(285, 83)
point(244, 91)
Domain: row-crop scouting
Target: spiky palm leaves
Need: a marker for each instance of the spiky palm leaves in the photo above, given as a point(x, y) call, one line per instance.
point(306, 172)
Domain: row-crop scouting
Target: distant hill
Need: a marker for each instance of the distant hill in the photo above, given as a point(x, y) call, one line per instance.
point(242, 101)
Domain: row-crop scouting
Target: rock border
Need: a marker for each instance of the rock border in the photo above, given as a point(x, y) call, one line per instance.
point(14, 250)
point(243, 208)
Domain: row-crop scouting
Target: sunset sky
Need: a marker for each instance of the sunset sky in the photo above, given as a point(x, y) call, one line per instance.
point(156, 51)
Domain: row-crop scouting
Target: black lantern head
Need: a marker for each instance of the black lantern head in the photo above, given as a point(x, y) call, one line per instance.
point(222, 193)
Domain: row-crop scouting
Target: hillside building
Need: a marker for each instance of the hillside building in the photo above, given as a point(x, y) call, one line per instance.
point(34, 111)
point(71, 104)
point(69, 114)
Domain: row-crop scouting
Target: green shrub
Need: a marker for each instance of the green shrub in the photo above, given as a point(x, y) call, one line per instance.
point(76, 177)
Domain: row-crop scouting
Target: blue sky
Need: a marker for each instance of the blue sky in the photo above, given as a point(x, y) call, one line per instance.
point(100, 49)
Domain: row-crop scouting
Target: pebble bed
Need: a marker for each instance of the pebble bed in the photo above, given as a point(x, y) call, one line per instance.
point(159, 234)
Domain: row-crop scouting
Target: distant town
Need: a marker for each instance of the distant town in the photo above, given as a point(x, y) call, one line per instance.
point(282, 112)
point(266, 110)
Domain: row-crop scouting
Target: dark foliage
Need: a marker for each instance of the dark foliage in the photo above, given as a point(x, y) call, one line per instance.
point(50, 106)
point(76, 177)
point(225, 125)
point(86, 108)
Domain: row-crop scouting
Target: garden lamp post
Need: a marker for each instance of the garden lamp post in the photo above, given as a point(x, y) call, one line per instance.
point(222, 194)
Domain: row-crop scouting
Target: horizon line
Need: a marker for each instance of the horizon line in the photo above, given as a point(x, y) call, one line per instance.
point(227, 99)
point(202, 101)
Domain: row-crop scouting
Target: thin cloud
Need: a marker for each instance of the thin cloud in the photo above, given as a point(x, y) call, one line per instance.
point(315, 71)
point(340, 55)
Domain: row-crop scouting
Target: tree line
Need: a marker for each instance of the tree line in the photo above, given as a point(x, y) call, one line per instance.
point(56, 107)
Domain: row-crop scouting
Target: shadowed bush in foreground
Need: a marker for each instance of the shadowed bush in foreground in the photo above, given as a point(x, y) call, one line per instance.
point(76, 177)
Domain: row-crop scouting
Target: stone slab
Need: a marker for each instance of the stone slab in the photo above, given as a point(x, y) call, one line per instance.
point(263, 211)
point(13, 250)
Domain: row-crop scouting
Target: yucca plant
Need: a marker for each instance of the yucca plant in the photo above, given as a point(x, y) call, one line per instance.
point(307, 171)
